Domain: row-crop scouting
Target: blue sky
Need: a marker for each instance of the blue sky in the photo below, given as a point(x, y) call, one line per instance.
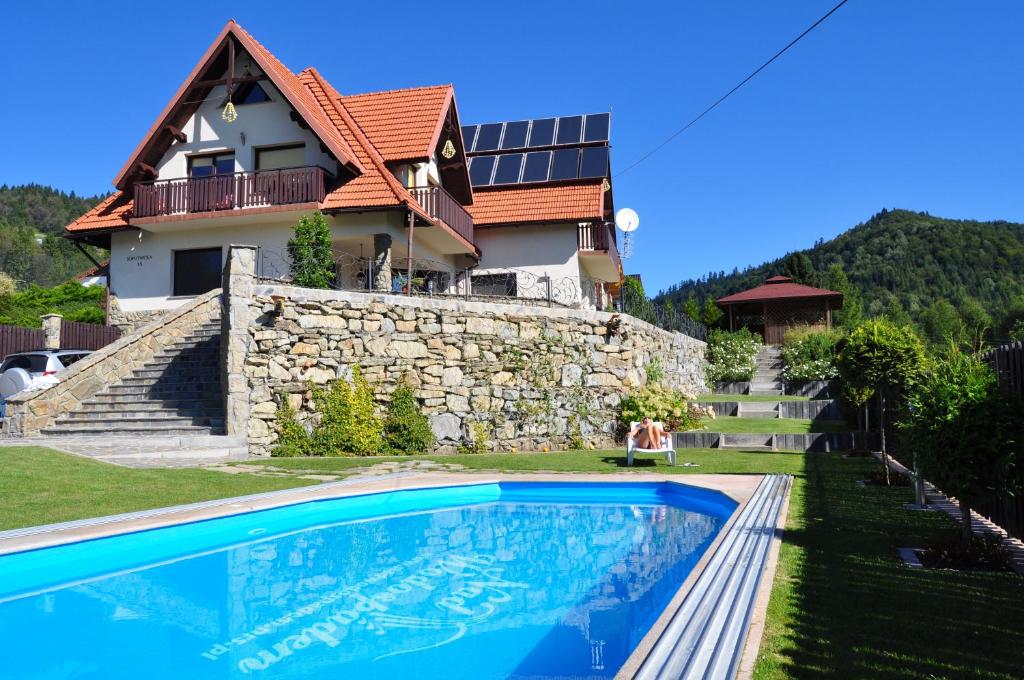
point(913, 104)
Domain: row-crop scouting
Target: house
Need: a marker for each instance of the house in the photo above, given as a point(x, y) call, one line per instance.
point(778, 305)
point(246, 147)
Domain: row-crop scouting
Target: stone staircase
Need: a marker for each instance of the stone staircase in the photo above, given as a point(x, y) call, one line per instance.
point(768, 378)
point(177, 393)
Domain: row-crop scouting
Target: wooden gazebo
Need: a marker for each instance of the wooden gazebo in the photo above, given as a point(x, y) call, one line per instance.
point(778, 305)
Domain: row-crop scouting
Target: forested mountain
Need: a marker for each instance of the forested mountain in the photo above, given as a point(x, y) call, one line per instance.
point(905, 264)
point(32, 218)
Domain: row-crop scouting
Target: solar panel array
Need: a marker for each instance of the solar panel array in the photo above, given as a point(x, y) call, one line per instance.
point(539, 150)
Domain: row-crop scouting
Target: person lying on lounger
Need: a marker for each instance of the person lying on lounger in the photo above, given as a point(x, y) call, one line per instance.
point(647, 434)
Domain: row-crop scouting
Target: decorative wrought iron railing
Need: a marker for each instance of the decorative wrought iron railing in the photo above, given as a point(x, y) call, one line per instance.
point(263, 188)
point(441, 205)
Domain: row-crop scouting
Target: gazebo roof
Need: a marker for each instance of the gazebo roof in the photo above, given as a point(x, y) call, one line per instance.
point(782, 288)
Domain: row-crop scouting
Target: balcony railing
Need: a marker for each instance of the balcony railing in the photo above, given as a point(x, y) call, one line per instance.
point(229, 192)
point(440, 205)
point(595, 236)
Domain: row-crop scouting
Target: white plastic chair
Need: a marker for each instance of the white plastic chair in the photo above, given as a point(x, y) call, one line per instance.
point(666, 446)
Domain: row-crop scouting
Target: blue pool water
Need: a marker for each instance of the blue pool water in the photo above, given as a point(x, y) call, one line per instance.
point(486, 581)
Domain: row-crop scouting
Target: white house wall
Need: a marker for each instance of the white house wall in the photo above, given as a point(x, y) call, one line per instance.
point(262, 124)
point(142, 268)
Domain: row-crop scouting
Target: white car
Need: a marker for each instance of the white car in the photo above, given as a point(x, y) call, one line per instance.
point(36, 369)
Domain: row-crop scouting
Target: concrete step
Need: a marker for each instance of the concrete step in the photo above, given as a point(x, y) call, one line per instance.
point(758, 409)
point(759, 442)
point(765, 391)
point(100, 405)
point(170, 380)
point(125, 421)
point(178, 392)
point(146, 431)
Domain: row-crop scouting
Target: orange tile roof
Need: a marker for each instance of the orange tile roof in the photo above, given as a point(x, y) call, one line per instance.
point(402, 124)
point(110, 213)
point(560, 203)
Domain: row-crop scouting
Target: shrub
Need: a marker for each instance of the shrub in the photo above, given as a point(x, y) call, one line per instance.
point(312, 261)
point(292, 438)
point(349, 423)
point(809, 354)
point(71, 300)
point(964, 431)
point(477, 442)
point(732, 356)
point(406, 428)
point(670, 407)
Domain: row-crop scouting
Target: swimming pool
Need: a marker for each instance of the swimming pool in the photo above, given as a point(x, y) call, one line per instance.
point(497, 580)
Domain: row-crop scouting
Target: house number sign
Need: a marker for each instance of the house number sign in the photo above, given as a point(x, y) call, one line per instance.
point(139, 259)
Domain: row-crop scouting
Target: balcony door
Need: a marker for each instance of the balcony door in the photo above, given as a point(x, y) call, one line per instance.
point(212, 185)
point(280, 176)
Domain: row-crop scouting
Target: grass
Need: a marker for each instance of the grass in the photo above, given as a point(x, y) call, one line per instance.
point(751, 397)
point(842, 605)
point(732, 424)
point(40, 486)
point(710, 461)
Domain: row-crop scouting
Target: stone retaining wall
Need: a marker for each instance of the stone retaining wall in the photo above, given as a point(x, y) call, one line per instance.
point(29, 412)
point(129, 322)
point(529, 377)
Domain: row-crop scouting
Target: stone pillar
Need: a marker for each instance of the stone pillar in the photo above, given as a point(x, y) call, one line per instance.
point(382, 262)
point(236, 314)
point(51, 331)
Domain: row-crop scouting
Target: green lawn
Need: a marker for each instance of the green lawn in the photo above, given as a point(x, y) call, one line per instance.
point(710, 461)
point(40, 486)
point(842, 605)
point(750, 397)
point(732, 424)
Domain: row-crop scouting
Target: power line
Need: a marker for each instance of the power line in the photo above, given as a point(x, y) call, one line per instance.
point(730, 92)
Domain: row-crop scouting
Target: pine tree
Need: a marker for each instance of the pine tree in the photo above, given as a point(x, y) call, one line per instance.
point(711, 314)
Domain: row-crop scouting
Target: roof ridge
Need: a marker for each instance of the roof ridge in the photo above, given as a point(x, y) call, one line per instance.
point(396, 90)
point(331, 95)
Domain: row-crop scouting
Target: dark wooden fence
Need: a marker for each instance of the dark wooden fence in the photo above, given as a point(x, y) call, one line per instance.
point(77, 335)
point(14, 339)
point(1005, 510)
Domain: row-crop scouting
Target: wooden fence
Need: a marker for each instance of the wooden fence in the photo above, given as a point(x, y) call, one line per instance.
point(1005, 510)
point(77, 335)
point(14, 339)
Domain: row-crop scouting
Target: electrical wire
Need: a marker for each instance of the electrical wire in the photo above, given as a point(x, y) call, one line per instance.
point(730, 92)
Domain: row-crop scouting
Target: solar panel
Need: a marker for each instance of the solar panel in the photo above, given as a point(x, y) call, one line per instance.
point(480, 170)
point(597, 127)
point(542, 132)
point(569, 129)
point(468, 136)
point(508, 170)
point(536, 167)
point(565, 164)
point(594, 162)
point(515, 135)
point(488, 137)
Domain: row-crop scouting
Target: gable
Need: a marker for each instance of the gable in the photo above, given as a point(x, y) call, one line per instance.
point(232, 42)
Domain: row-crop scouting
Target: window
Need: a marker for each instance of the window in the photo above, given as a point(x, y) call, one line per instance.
point(502, 285)
point(272, 158)
point(216, 164)
point(68, 359)
point(250, 93)
point(196, 271)
point(33, 363)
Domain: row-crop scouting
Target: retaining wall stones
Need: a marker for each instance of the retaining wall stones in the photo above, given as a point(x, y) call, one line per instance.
point(129, 322)
point(530, 376)
point(825, 409)
point(29, 412)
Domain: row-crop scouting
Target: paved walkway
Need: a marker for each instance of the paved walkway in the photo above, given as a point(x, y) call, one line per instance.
point(143, 452)
point(361, 472)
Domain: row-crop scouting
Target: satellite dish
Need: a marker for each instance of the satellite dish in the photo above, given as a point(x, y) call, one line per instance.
point(627, 220)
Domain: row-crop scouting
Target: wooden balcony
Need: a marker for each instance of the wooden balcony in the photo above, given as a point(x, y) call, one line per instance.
point(440, 205)
point(239, 190)
point(595, 237)
point(597, 250)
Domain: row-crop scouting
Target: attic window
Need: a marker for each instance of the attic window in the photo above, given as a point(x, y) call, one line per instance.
point(249, 93)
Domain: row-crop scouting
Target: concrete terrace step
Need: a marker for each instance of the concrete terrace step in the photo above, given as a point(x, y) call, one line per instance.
point(758, 442)
point(758, 409)
point(144, 430)
point(105, 405)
